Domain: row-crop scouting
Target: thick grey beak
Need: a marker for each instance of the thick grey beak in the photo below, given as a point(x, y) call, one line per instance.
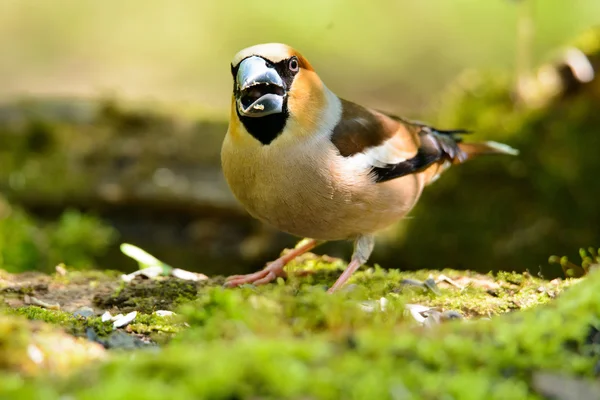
point(261, 90)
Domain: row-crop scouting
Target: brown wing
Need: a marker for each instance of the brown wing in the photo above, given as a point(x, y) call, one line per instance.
point(391, 146)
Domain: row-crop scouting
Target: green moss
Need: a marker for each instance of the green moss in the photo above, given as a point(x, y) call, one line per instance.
point(73, 324)
point(14, 386)
point(14, 338)
point(149, 296)
point(143, 323)
point(293, 340)
point(32, 348)
point(589, 259)
point(152, 324)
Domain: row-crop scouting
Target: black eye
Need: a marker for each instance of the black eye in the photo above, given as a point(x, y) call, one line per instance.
point(293, 64)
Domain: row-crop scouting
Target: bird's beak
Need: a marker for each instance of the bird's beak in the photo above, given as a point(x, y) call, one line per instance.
point(260, 89)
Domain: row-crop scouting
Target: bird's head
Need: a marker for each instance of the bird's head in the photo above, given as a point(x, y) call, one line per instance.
point(274, 89)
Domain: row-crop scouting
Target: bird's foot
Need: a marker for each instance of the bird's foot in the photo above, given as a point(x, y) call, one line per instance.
point(271, 272)
point(274, 269)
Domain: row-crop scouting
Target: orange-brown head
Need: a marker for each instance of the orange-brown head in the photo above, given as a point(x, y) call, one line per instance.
point(275, 89)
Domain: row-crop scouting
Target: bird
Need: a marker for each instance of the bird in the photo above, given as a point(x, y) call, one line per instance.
point(322, 168)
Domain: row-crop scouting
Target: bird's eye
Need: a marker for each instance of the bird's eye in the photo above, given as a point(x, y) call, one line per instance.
point(293, 64)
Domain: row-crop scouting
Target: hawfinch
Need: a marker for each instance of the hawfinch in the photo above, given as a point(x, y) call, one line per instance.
point(320, 167)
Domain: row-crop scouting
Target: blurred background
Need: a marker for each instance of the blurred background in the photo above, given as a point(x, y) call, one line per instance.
point(112, 115)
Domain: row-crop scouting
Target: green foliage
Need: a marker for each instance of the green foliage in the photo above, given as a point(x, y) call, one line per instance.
point(21, 241)
point(75, 239)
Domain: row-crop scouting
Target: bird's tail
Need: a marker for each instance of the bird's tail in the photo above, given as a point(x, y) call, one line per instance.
point(471, 150)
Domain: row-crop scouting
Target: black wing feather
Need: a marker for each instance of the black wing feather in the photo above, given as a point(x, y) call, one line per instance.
point(436, 145)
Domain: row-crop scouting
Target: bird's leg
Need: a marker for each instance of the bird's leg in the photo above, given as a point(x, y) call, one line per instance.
point(273, 269)
point(363, 247)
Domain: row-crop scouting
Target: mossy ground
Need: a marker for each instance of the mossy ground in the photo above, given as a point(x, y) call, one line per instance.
point(292, 340)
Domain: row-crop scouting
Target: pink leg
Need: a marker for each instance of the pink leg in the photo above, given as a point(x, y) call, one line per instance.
point(363, 246)
point(273, 269)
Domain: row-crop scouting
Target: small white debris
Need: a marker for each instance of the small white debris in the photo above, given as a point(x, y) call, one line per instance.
point(156, 271)
point(35, 354)
point(164, 313)
point(116, 317)
point(61, 269)
point(370, 306)
point(444, 278)
point(37, 302)
point(187, 275)
point(259, 107)
point(417, 310)
point(126, 320)
point(383, 303)
point(580, 64)
point(150, 272)
point(151, 267)
point(106, 317)
point(431, 316)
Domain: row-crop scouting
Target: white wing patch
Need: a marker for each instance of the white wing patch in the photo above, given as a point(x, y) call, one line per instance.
point(388, 153)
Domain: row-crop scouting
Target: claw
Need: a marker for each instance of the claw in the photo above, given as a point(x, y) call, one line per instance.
point(273, 270)
point(270, 273)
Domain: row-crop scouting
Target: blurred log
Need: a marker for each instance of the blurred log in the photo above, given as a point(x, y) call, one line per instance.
point(154, 173)
point(66, 152)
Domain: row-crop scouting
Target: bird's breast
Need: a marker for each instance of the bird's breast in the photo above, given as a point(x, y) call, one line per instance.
point(309, 190)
